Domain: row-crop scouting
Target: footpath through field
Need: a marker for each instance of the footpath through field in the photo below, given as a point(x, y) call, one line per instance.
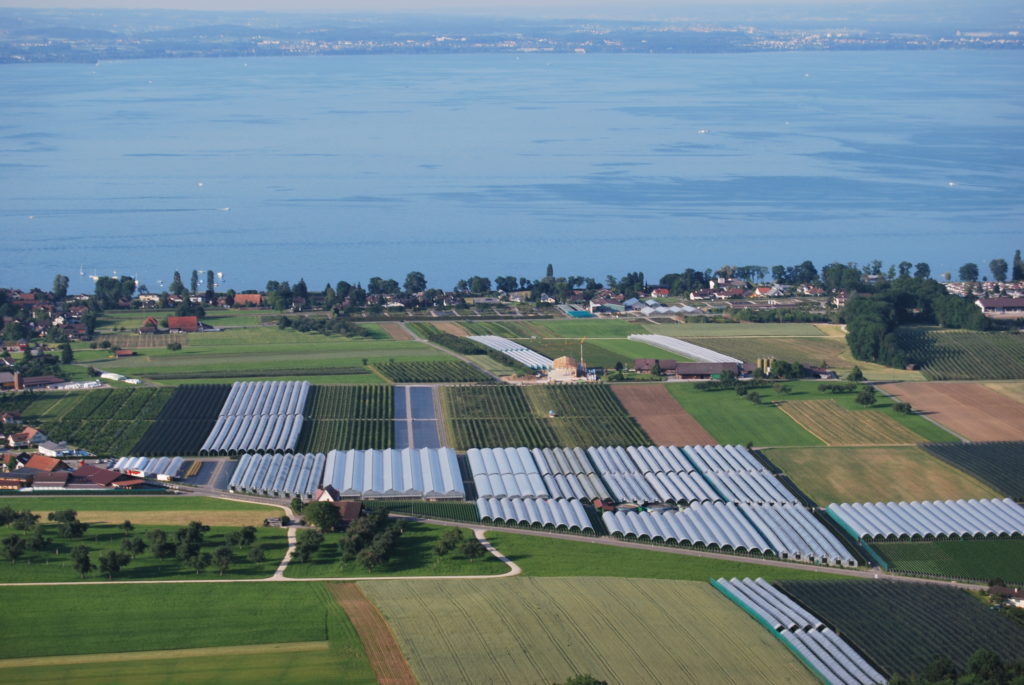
point(379, 642)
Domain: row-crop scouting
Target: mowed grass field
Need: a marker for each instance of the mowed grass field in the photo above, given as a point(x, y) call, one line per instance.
point(981, 560)
point(543, 630)
point(874, 474)
point(548, 557)
point(303, 636)
point(836, 425)
point(620, 328)
point(152, 510)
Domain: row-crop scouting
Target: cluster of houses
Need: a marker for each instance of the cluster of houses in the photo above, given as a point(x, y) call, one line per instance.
point(45, 315)
point(38, 472)
point(997, 300)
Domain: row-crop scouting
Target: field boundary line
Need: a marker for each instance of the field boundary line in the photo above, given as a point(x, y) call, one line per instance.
point(782, 407)
point(119, 657)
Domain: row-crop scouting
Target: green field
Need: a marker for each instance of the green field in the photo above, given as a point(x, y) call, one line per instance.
point(957, 355)
point(733, 420)
point(541, 556)
point(874, 474)
point(180, 616)
point(166, 616)
point(506, 416)
point(543, 630)
point(603, 353)
point(979, 560)
point(413, 556)
point(903, 627)
point(347, 417)
point(53, 563)
point(269, 351)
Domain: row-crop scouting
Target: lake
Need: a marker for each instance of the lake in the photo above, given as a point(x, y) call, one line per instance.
point(334, 168)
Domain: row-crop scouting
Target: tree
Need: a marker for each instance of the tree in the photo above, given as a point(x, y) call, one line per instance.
point(13, 547)
point(112, 562)
point(922, 271)
point(998, 267)
point(969, 272)
point(323, 515)
point(855, 375)
point(415, 282)
point(1018, 267)
point(66, 355)
point(867, 396)
point(155, 540)
point(451, 539)
point(472, 548)
point(297, 503)
point(754, 397)
point(195, 282)
point(656, 368)
point(192, 533)
point(133, 546)
point(177, 287)
point(37, 541)
point(222, 558)
point(80, 560)
point(60, 287)
point(209, 284)
point(986, 665)
point(127, 527)
point(256, 554)
point(198, 561)
point(902, 408)
point(549, 273)
point(243, 537)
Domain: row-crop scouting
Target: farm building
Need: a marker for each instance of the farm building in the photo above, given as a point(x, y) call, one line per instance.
point(425, 473)
point(938, 520)
point(183, 324)
point(548, 513)
point(689, 370)
point(828, 654)
point(1001, 307)
point(248, 300)
point(261, 416)
point(523, 355)
point(278, 475)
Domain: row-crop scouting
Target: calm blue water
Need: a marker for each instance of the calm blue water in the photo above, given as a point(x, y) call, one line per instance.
point(456, 165)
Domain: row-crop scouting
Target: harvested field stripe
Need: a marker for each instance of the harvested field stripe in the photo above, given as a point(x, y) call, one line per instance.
point(836, 425)
point(237, 650)
point(661, 417)
point(396, 330)
point(378, 640)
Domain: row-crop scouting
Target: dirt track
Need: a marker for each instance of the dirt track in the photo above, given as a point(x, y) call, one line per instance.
point(660, 415)
point(968, 409)
point(379, 642)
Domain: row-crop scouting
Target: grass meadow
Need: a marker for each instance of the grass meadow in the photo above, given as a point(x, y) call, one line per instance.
point(542, 630)
point(874, 474)
point(287, 623)
point(545, 557)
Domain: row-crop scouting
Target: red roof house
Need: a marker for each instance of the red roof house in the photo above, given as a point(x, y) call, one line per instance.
point(187, 324)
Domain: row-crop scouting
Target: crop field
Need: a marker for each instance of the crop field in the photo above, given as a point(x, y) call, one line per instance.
point(1012, 389)
point(382, 650)
point(874, 474)
point(347, 417)
point(542, 630)
point(132, 341)
point(836, 425)
point(546, 557)
point(969, 409)
point(432, 372)
point(185, 421)
point(1000, 465)
point(396, 331)
point(505, 416)
point(506, 329)
point(153, 510)
point(978, 560)
point(734, 420)
point(902, 627)
point(660, 416)
point(955, 355)
point(105, 422)
point(414, 555)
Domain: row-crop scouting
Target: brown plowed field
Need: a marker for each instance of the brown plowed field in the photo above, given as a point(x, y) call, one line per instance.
point(968, 409)
point(660, 415)
point(397, 331)
point(378, 640)
point(450, 328)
